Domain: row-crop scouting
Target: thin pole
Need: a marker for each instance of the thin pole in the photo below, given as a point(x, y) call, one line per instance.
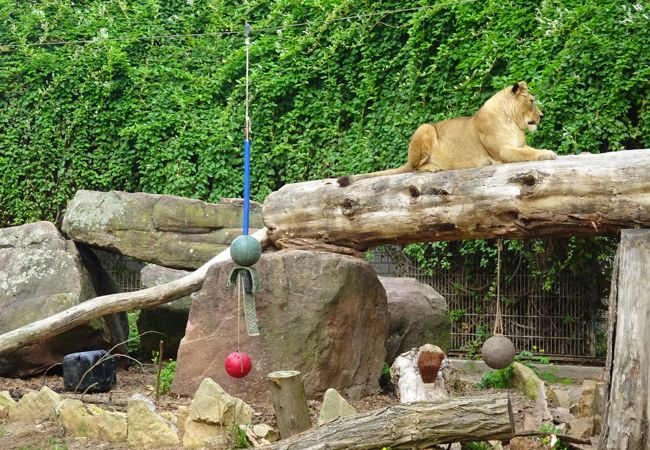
point(247, 142)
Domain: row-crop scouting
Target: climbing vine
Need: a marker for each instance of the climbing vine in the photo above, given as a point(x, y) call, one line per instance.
point(148, 96)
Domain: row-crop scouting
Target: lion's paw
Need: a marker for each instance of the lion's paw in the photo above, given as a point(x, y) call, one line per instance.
point(546, 154)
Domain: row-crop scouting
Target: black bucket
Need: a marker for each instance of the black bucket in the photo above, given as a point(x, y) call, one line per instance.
point(92, 371)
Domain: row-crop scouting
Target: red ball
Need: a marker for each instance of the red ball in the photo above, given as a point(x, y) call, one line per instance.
point(238, 364)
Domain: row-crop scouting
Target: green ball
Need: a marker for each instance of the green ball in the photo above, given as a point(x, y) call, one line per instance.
point(245, 250)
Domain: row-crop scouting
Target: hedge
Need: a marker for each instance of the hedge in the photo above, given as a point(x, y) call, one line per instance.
point(149, 96)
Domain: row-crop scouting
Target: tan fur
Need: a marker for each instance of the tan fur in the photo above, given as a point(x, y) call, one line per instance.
point(494, 135)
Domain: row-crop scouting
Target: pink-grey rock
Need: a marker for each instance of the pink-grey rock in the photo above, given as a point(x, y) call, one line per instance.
point(322, 314)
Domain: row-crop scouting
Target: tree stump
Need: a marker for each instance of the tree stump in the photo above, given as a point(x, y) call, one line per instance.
point(628, 360)
point(289, 401)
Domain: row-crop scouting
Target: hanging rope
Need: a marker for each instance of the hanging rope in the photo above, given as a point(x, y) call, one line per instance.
point(498, 318)
point(239, 296)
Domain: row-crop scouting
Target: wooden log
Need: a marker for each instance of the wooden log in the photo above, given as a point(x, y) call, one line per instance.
point(107, 304)
point(587, 194)
point(627, 422)
point(412, 425)
point(289, 401)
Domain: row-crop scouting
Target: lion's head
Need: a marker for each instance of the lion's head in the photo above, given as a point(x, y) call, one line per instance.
point(525, 110)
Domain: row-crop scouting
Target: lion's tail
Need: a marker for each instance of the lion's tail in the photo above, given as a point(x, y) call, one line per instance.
point(349, 179)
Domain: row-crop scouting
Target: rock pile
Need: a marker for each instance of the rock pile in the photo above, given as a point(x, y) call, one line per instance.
point(577, 413)
point(211, 419)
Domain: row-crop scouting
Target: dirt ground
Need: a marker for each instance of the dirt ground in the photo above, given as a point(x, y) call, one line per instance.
point(142, 380)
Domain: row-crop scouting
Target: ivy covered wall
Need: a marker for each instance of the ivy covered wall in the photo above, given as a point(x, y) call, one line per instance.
point(149, 95)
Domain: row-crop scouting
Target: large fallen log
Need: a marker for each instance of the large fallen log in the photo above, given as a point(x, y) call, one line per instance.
point(411, 425)
point(587, 194)
point(107, 304)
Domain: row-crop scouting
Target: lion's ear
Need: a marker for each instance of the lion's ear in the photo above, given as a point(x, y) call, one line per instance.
point(520, 87)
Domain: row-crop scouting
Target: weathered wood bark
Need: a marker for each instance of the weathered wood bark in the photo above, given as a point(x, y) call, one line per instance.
point(585, 194)
point(289, 402)
point(108, 304)
point(626, 423)
point(411, 425)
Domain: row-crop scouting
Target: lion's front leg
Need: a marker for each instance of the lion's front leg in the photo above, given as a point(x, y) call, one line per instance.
point(525, 153)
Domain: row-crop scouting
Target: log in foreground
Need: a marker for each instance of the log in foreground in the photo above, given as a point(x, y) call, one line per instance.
point(412, 425)
point(107, 304)
point(587, 194)
point(628, 360)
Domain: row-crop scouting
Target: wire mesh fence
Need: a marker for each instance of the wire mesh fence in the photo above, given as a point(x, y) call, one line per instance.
point(561, 322)
point(123, 270)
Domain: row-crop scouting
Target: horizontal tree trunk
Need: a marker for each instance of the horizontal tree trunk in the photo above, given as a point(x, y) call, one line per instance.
point(587, 194)
point(411, 425)
point(107, 304)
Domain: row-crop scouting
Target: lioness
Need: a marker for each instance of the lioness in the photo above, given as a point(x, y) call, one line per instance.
point(494, 135)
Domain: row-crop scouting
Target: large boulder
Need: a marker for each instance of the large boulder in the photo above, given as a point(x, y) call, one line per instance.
point(42, 274)
point(418, 315)
point(320, 313)
point(167, 230)
point(167, 320)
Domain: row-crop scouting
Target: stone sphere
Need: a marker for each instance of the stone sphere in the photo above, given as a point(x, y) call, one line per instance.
point(498, 351)
point(245, 250)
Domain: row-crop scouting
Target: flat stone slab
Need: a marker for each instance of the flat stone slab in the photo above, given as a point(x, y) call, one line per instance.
point(167, 230)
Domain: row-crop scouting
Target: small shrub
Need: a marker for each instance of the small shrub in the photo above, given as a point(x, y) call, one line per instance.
point(549, 427)
point(497, 379)
point(167, 373)
point(385, 380)
point(241, 440)
point(134, 337)
point(477, 446)
point(548, 375)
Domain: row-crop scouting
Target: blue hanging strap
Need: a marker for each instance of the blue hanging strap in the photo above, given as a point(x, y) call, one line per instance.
point(247, 170)
point(247, 142)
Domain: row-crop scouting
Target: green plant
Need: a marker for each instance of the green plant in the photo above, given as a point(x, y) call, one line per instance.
point(52, 444)
point(134, 336)
point(167, 372)
point(477, 446)
point(456, 314)
point(527, 357)
point(56, 444)
point(385, 380)
point(549, 427)
point(482, 333)
point(240, 437)
point(532, 360)
point(496, 379)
